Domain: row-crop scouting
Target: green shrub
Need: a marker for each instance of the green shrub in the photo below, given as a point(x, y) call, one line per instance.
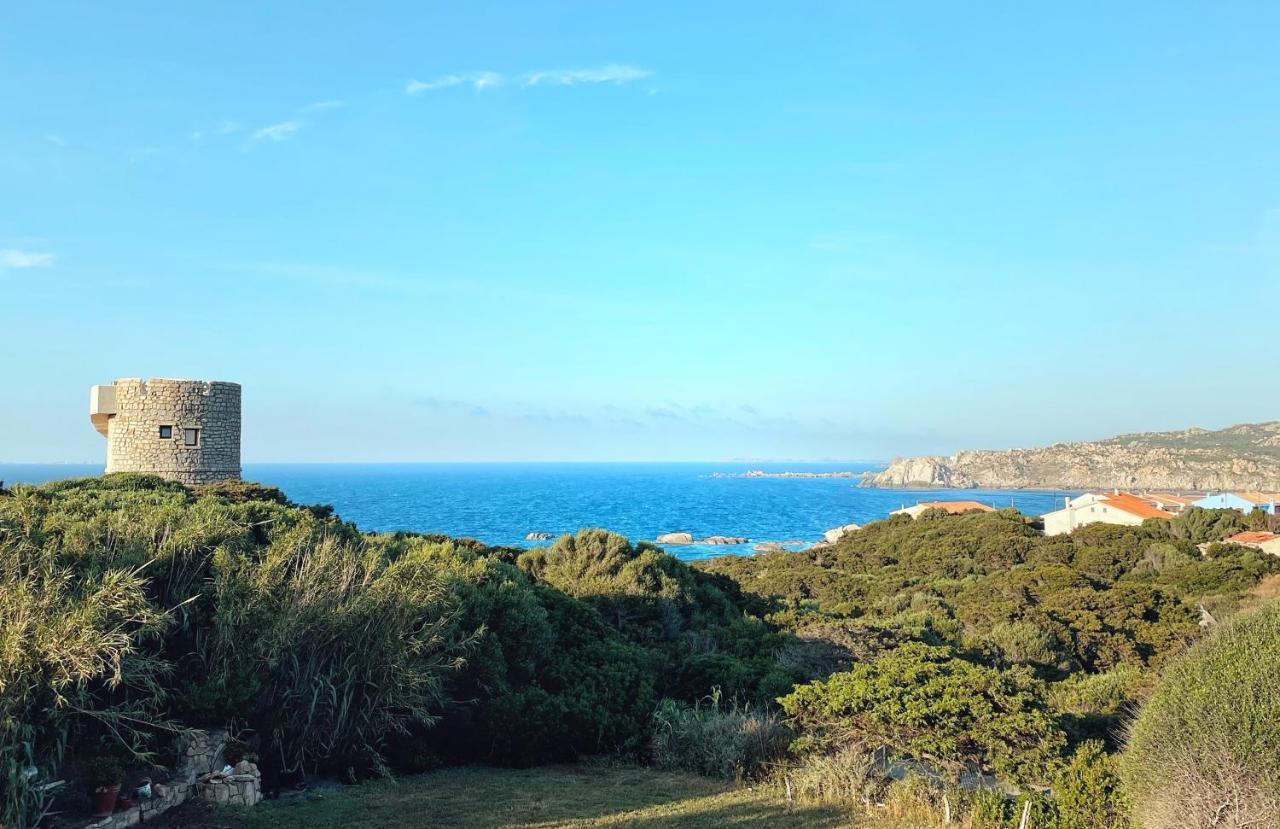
point(1094, 706)
point(1088, 794)
point(717, 740)
point(102, 772)
point(1205, 749)
point(928, 703)
point(328, 649)
point(72, 655)
point(1024, 643)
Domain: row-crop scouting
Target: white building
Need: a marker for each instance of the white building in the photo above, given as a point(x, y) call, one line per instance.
point(1094, 508)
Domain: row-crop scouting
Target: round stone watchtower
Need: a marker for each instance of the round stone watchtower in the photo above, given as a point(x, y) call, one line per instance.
point(183, 430)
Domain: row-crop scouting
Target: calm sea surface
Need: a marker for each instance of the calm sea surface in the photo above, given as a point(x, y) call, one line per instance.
point(499, 503)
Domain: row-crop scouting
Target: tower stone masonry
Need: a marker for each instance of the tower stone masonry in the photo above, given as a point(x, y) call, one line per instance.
point(184, 430)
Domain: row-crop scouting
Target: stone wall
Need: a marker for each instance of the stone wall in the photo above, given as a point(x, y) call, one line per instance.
point(198, 772)
point(242, 786)
point(142, 407)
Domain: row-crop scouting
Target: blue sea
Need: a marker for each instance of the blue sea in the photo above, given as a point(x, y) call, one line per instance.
point(500, 503)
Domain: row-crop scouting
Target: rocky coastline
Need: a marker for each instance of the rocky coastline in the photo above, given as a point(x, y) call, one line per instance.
point(760, 473)
point(1243, 457)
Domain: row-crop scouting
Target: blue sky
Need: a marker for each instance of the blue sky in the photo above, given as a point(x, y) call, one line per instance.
point(568, 231)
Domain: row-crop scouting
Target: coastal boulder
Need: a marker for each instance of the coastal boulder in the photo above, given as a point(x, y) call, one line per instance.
point(724, 539)
point(538, 537)
point(675, 538)
point(833, 536)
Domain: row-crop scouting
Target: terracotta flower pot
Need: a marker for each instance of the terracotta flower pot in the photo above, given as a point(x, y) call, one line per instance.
point(104, 800)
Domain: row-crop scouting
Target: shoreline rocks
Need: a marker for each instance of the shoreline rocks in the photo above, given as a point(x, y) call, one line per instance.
point(832, 536)
point(682, 539)
point(538, 537)
point(779, 546)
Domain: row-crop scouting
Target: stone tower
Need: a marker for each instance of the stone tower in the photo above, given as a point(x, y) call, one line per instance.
point(184, 430)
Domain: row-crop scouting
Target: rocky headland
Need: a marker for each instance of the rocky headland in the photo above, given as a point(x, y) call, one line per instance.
point(760, 473)
point(1242, 457)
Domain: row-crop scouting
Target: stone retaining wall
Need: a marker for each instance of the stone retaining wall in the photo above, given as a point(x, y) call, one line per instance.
point(199, 772)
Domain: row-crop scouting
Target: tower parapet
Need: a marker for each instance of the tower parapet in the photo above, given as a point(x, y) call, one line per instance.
point(183, 430)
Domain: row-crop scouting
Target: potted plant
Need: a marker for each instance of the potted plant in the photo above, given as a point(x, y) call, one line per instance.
point(104, 776)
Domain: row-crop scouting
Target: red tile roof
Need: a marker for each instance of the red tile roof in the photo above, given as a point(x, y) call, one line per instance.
point(956, 507)
point(1134, 505)
point(1253, 538)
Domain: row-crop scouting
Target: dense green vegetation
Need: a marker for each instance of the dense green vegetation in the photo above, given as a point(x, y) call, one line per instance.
point(132, 608)
point(1205, 750)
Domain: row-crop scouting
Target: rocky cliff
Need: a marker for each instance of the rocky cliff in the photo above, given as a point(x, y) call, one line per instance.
point(1244, 457)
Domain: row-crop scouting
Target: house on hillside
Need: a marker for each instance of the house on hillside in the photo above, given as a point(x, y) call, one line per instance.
point(950, 507)
point(1264, 541)
point(1246, 502)
point(1101, 508)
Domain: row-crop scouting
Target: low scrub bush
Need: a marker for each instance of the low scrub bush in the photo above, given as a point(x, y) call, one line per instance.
point(848, 775)
point(1205, 749)
point(1088, 793)
point(715, 739)
point(927, 703)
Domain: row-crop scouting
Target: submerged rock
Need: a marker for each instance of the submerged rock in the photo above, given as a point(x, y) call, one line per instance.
point(778, 546)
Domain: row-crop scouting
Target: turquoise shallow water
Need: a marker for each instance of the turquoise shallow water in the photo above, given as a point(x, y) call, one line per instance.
point(499, 503)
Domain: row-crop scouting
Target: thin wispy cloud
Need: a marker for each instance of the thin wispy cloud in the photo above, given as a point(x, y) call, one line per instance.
point(56, 140)
point(18, 259)
point(616, 73)
point(479, 81)
point(319, 106)
point(277, 132)
point(227, 127)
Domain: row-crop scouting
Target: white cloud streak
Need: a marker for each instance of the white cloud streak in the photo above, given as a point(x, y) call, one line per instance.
point(13, 258)
point(613, 73)
point(277, 132)
point(479, 81)
point(323, 105)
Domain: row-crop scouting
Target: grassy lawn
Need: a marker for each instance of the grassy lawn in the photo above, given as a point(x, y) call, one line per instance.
point(540, 798)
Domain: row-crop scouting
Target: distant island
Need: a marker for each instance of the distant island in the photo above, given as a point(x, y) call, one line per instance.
point(760, 473)
point(1245, 456)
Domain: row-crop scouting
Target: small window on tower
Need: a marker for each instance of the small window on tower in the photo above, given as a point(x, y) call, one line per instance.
point(190, 437)
point(166, 433)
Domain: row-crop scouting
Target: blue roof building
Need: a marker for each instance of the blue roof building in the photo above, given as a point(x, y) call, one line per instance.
point(1244, 501)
